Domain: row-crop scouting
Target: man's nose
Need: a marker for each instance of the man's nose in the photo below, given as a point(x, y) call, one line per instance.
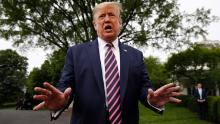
point(107, 18)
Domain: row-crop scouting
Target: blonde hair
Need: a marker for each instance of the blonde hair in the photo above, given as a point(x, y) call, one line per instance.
point(116, 5)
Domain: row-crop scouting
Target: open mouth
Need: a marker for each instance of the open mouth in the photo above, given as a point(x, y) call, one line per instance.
point(108, 28)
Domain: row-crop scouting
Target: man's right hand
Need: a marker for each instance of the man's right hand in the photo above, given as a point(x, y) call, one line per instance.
point(53, 99)
point(201, 100)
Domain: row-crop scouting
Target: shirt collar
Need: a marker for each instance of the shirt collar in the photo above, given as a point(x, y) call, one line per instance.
point(103, 43)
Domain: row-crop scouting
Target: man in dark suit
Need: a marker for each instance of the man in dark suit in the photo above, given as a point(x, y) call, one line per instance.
point(200, 95)
point(105, 78)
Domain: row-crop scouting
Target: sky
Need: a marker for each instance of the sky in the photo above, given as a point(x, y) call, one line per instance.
point(36, 56)
point(190, 6)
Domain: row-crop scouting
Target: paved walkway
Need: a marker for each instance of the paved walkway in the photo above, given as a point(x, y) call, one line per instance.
point(10, 116)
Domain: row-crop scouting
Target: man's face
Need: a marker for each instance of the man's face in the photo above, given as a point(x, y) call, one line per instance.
point(199, 85)
point(107, 23)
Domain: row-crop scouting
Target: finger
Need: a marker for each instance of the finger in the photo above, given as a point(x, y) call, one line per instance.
point(150, 93)
point(163, 88)
point(172, 99)
point(51, 87)
point(172, 89)
point(40, 97)
point(176, 88)
point(39, 106)
point(175, 94)
point(43, 91)
point(67, 92)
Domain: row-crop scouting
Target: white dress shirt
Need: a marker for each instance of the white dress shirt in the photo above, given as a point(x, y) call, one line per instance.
point(200, 93)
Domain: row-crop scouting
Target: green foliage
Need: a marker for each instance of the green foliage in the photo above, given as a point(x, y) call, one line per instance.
point(156, 71)
point(49, 71)
point(36, 78)
point(8, 105)
point(61, 23)
point(196, 64)
point(218, 111)
point(191, 103)
point(184, 99)
point(56, 64)
point(12, 75)
point(212, 108)
point(188, 102)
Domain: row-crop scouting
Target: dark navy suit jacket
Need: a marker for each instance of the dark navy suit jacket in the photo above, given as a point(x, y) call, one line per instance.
point(204, 94)
point(82, 71)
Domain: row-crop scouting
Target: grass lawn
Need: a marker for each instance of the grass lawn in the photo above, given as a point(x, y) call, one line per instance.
point(171, 115)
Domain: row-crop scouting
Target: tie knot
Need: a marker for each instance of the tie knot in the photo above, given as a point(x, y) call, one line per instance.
point(109, 45)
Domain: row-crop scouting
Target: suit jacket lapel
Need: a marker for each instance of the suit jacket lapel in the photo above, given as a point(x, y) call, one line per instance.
point(93, 52)
point(124, 66)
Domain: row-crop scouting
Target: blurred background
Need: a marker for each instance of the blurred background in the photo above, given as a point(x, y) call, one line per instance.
point(179, 38)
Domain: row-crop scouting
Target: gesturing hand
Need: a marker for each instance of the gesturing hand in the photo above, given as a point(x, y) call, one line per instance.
point(163, 95)
point(53, 99)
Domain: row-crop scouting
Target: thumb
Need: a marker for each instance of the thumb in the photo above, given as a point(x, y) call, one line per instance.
point(150, 93)
point(67, 92)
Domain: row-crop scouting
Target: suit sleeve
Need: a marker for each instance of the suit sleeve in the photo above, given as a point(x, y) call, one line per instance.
point(145, 85)
point(68, 76)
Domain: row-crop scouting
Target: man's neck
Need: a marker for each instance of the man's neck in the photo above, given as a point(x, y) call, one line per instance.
point(115, 42)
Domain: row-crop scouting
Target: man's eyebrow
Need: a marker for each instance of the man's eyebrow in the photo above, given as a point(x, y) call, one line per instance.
point(102, 14)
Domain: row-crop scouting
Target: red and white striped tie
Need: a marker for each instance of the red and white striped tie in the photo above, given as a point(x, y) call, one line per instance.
point(112, 86)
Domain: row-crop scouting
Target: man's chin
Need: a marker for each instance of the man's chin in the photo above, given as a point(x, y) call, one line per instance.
point(109, 38)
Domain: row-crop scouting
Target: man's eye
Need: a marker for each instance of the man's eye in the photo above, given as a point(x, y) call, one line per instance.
point(101, 16)
point(111, 14)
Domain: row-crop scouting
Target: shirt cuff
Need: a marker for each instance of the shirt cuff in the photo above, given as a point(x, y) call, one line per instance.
point(55, 114)
point(159, 109)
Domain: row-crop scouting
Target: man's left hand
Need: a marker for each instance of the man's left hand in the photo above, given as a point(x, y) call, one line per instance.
point(163, 95)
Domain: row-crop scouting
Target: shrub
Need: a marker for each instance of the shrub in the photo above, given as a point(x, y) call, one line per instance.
point(191, 103)
point(218, 110)
point(212, 108)
point(184, 99)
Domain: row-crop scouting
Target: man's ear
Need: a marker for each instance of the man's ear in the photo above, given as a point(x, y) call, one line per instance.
point(94, 25)
point(120, 22)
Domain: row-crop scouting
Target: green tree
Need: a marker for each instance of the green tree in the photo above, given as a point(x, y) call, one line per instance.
point(49, 71)
point(196, 64)
point(61, 23)
point(56, 64)
point(12, 75)
point(156, 70)
point(37, 77)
